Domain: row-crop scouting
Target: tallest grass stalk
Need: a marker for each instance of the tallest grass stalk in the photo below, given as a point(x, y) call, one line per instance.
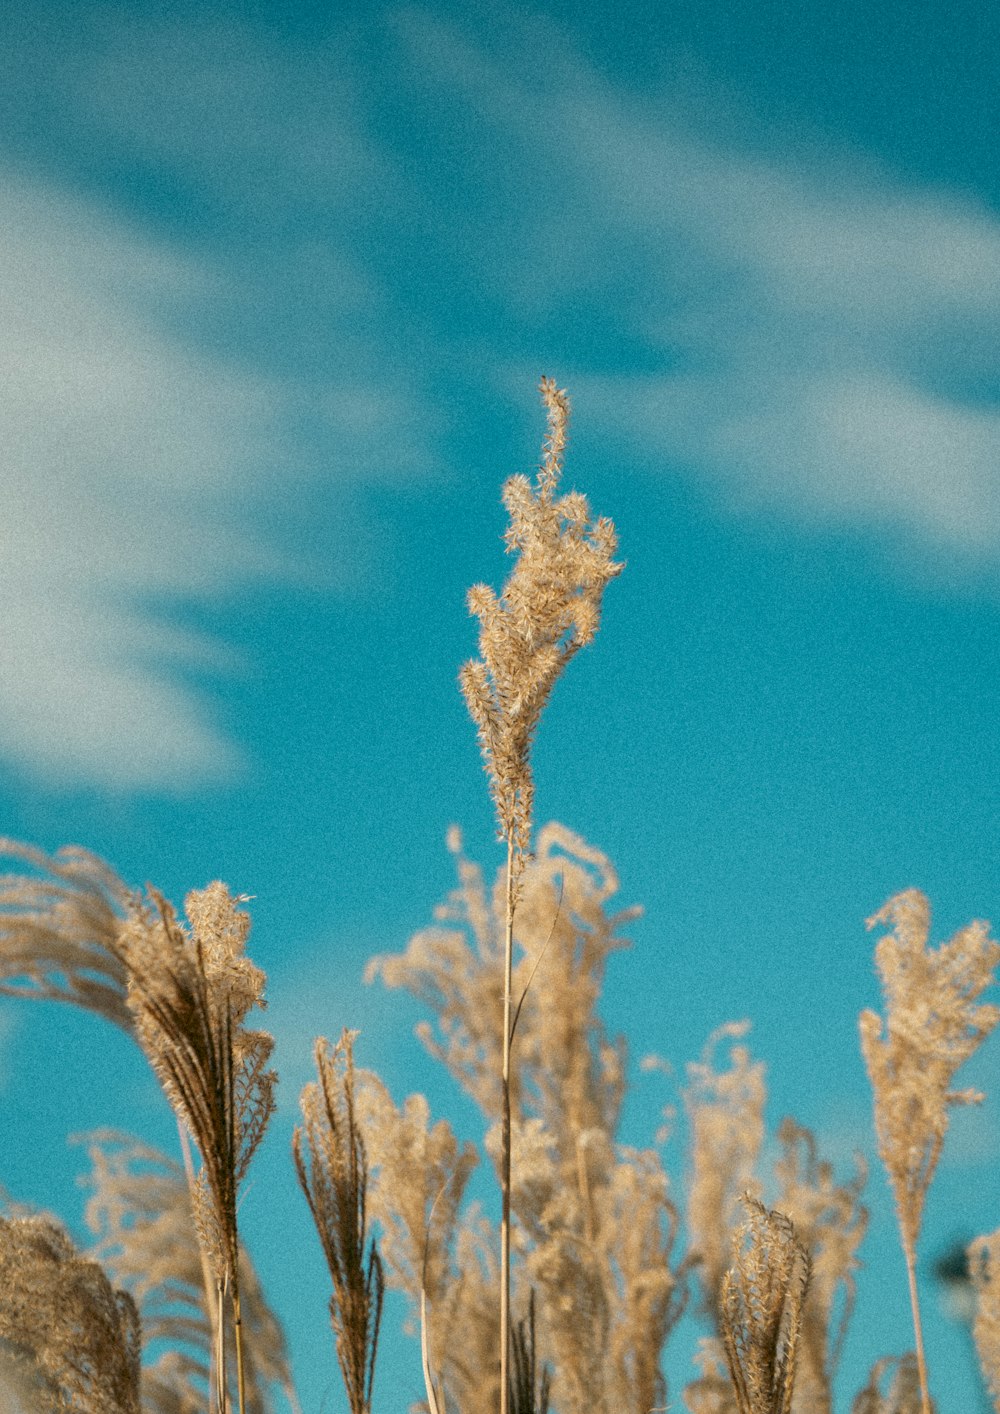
point(508, 964)
point(548, 610)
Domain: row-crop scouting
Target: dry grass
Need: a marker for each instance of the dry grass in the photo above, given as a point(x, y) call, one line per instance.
point(549, 609)
point(564, 1305)
point(762, 1300)
point(68, 1337)
point(933, 1025)
point(189, 991)
point(59, 928)
point(140, 1216)
point(332, 1167)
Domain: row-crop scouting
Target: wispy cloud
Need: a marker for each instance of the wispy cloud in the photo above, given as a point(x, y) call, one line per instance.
point(164, 394)
point(123, 454)
point(815, 334)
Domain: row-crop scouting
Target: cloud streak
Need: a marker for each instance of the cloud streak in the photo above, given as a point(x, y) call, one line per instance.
point(820, 337)
point(123, 455)
point(163, 396)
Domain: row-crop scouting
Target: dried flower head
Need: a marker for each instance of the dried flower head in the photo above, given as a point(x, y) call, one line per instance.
point(725, 1110)
point(468, 1372)
point(549, 608)
point(830, 1222)
point(761, 1305)
point(65, 1333)
point(570, 1071)
point(984, 1269)
point(59, 927)
point(139, 1210)
point(932, 1026)
point(893, 1387)
point(418, 1177)
point(595, 1227)
point(190, 990)
point(334, 1179)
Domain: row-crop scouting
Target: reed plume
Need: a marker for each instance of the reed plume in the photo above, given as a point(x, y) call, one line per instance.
point(139, 1210)
point(418, 1177)
point(984, 1270)
point(725, 1110)
point(548, 610)
point(66, 1336)
point(762, 1297)
point(893, 1388)
point(190, 991)
point(830, 1222)
point(595, 1227)
point(932, 1025)
point(59, 929)
point(332, 1165)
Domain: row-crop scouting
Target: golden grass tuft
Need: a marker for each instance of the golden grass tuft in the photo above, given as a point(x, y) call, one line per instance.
point(761, 1302)
point(190, 990)
point(332, 1165)
point(59, 929)
point(67, 1336)
point(933, 1024)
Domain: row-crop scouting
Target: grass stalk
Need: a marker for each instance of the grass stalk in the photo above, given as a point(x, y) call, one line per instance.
point(238, 1340)
point(221, 1396)
point(425, 1357)
point(505, 1139)
point(918, 1332)
point(211, 1305)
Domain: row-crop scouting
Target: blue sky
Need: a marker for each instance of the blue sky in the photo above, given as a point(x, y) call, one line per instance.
point(280, 283)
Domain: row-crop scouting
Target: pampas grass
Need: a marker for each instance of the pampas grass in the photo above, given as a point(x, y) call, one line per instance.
point(549, 610)
point(933, 1024)
point(69, 1340)
point(332, 1166)
point(189, 991)
point(565, 1304)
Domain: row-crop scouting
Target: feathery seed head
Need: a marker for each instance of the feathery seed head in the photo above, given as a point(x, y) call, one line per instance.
point(984, 1268)
point(725, 1111)
point(549, 608)
point(59, 927)
point(62, 1325)
point(332, 1165)
point(762, 1299)
point(139, 1210)
point(190, 990)
point(481, 601)
point(932, 1025)
point(830, 1221)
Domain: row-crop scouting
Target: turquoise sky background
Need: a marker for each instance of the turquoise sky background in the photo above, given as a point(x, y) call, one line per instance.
point(279, 285)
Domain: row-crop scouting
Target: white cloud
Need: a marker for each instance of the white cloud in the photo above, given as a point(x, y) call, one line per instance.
point(139, 469)
point(123, 456)
point(827, 334)
point(838, 356)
